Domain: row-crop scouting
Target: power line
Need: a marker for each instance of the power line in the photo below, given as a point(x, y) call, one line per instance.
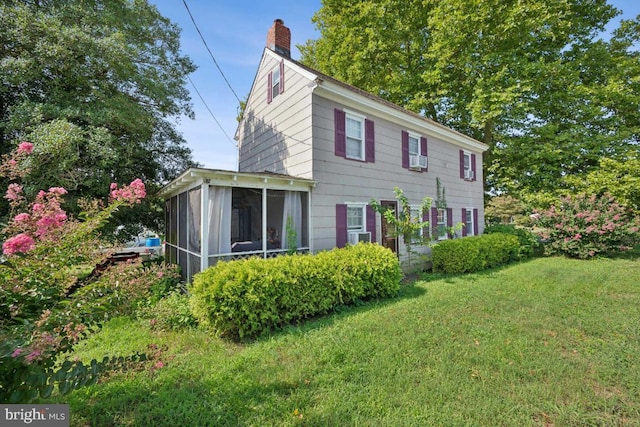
point(209, 50)
point(209, 109)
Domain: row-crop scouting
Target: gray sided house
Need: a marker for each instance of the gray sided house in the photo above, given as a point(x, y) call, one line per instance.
point(309, 140)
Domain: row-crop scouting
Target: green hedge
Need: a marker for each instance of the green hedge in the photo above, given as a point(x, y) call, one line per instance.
point(530, 243)
point(245, 298)
point(475, 253)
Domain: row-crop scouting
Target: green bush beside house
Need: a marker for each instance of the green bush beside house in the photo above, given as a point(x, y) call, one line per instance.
point(244, 298)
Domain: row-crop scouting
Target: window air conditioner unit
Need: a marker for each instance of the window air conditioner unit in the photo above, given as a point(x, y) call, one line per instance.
point(417, 162)
point(359, 236)
point(468, 174)
point(423, 161)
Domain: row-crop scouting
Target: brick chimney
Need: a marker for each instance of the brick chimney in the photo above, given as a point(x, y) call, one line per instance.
point(279, 38)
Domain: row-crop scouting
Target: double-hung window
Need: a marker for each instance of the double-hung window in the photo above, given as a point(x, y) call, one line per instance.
point(414, 145)
point(355, 222)
point(355, 218)
point(468, 222)
point(414, 151)
point(442, 224)
point(467, 166)
point(275, 83)
point(355, 136)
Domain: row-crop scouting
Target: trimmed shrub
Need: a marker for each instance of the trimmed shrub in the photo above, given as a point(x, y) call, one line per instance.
point(244, 298)
point(475, 253)
point(530, 242)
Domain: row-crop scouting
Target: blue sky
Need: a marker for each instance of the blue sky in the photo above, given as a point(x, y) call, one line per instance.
point(236, 32)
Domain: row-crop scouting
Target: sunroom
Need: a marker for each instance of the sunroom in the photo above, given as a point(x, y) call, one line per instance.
point(213, 215)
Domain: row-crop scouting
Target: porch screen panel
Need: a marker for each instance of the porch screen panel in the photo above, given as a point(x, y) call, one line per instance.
point(194, 266)
point(219, 212)
point(173, 231)
point(276, 228)
point(195, 222)
point(304, 223)
point(171, 225)
point(183, 203)
point(292, 209)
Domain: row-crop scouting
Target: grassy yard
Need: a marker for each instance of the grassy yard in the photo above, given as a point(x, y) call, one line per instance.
point(550, 342)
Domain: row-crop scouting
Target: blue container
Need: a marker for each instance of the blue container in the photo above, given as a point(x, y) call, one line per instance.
point(153, 241)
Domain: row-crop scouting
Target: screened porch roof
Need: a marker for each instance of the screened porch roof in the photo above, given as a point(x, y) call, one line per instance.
point(226, 178)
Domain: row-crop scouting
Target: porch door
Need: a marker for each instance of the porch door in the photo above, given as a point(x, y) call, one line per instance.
point(388, 230)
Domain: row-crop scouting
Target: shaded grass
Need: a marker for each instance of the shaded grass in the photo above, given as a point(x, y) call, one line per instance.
point(548, 342)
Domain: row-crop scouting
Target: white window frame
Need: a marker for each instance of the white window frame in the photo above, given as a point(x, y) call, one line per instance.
point(416, 213)
point(467, 164)
point(361, 207)
point(442, 223)
point(275, 82)
point(417, 139)
point(360, 119)
point(468, 222)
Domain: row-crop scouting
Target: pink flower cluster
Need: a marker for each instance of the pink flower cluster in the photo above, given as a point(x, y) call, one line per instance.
point(20, 243)
point(131, 193)
point(46, 211)
point(25, 148)
point(45, 218)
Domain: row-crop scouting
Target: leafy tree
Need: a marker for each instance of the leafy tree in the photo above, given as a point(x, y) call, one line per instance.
point(96, 86)
point(620, 178)
point(504, 209)
point(534, 80)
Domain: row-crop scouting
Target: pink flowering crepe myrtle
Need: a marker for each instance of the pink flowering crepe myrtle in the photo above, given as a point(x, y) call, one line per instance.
point(46, 217)
point(130, 194)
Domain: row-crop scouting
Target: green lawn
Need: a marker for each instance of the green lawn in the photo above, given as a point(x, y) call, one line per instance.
point(550, 342)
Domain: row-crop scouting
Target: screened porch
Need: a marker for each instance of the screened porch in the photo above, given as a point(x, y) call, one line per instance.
point(222, 215)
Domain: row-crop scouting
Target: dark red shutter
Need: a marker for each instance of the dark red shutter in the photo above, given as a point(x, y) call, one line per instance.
point(405, 149)
point(340, 133)
point(371, 223)
point(473, 165)
point(423, 150)
point(434, 223)
point(475, 222)
point(461, 164)
point(282, 76)
point(369, 141)
point(269, 86)
point(341, 226)
point(464, 221)
point(450, 220)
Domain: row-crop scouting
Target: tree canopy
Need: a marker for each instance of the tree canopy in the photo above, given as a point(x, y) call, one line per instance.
point(97, 86)
point(540, 82)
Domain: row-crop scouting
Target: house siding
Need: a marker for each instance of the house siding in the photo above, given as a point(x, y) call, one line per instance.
point(341, 180)
point(295, 134)
point(276, 136)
